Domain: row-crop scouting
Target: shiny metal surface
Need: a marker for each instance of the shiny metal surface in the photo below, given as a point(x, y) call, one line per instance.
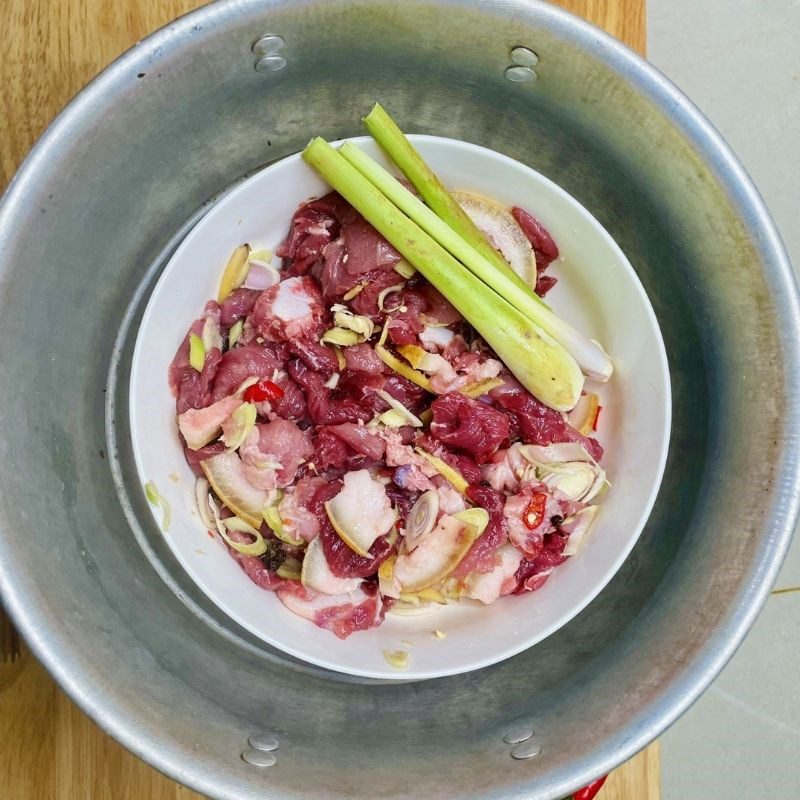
point(86, 226)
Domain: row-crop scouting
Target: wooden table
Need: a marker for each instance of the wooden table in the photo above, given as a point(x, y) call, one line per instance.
point(49, 750)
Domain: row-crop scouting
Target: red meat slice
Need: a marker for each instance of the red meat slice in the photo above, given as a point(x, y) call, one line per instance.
point(363, 358)
point(366, 249)
point(466, 424)
point(438, 310)
point(360, 439)
point(241, 363)
point(532, 573)
point(537, 423)
point(315, 356)
point(237, 305)
point(325, 406)
point(346, 563)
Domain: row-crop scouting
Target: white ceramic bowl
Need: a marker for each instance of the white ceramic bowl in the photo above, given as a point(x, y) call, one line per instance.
point(597, 291)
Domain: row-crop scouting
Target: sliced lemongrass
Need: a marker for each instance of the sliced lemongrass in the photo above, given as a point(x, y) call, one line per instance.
point(211, 336)
point(404, 269)
point(255, 548)
point(410, 419)
point(244, 420)
point(354, 292)
point(235, 333)
point(476, 390)
point(584, 519)
point(343, 337)
point(157, 499)
point(197, 352)
point(201, 489)
point(385, 293)
point(235, 272)
point(452, 475)
point(290, 570)
point(477, 518)
point(363, 326)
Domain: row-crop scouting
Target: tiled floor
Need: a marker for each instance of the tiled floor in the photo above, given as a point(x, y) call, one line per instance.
point(740, 62)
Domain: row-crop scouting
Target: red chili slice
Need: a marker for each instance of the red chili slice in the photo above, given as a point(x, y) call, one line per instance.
point(589, 792)
point(263, 390)
point(533, 515)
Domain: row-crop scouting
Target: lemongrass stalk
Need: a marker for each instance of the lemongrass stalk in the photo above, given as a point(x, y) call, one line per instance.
point(388, 135)
point(590, 356)
point(540, 363)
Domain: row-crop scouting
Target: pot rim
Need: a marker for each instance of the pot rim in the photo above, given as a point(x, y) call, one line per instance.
point(18, 592)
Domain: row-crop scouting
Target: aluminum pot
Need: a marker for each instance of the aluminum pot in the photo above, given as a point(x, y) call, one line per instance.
point(84, 230)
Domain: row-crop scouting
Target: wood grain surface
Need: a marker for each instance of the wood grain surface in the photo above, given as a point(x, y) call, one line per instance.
point(49, 49)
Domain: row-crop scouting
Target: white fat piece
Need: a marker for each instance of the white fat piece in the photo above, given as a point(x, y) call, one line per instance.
point(291, 301)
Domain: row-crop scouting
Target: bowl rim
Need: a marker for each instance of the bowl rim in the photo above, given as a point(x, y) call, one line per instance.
point(19, 593)
point(160, 300)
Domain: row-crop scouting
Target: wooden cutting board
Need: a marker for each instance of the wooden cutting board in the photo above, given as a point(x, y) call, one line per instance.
point(49, 750)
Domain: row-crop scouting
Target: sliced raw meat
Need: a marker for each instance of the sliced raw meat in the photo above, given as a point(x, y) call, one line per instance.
point(272, 453)
point(238, 304)
point(325, 406)
point(466, 424)
point(537, 423)
point(363, 358)
point(341, 614)
point(360, 439)
point(366, 249)
point(241, 363)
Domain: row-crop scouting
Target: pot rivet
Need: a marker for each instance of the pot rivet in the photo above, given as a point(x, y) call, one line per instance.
point(263, 742)
point(524, 56)
point(527, 749)
point(268, 44)
point(518, 735)
point(270, 64)
point(257, 758)
point(520, 74)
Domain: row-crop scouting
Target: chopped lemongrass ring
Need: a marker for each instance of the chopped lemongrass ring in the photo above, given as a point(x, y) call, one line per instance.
point(384, 294)
point(343, 337)
point(445, 470)
point(243, 420)
point(235, 272)
point(344, 318)
point(410, 419)
point(399, 659)
point(404, 269)
point(235, 333)
point(354, 292)
point(197, 352)
point(157, 499)
point(201, 490)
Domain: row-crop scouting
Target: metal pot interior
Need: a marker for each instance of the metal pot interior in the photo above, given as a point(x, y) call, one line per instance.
point(92, 218)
